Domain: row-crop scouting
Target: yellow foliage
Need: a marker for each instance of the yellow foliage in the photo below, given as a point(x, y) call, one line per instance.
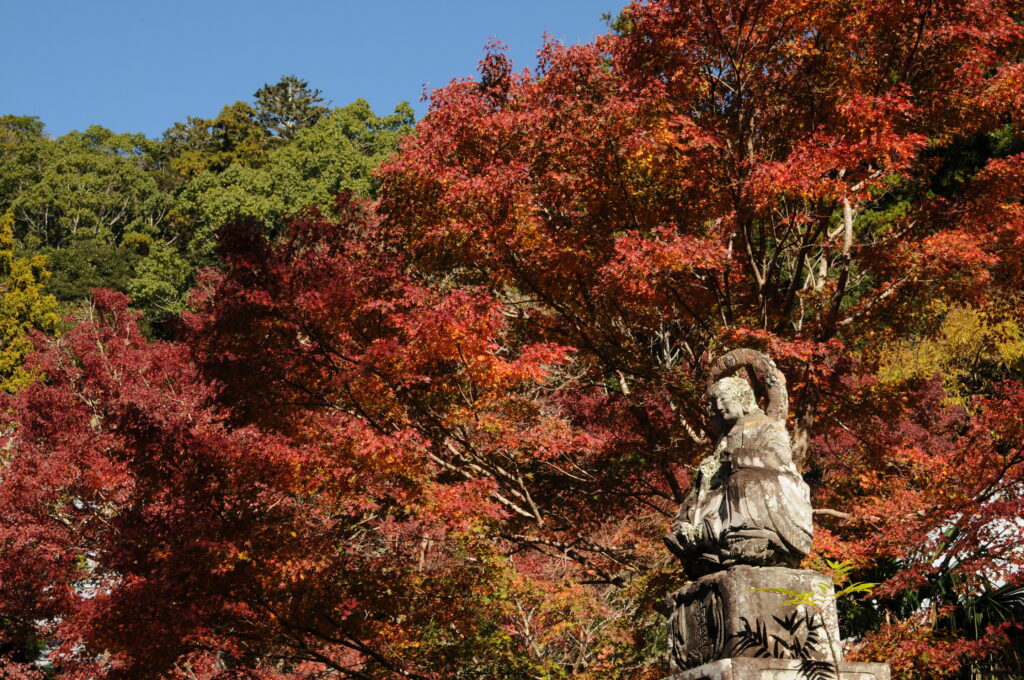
point(23, 308)
point(967, 342)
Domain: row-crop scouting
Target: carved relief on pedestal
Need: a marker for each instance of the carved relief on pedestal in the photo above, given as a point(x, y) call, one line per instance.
point(696, 626)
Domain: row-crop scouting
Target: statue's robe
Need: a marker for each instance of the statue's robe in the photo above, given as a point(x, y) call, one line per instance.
point(749, 503)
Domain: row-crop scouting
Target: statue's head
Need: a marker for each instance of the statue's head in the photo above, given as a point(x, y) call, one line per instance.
point(732, 398)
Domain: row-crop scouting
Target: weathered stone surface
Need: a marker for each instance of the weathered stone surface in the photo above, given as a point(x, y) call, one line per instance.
point(730, 614)
point(782, 669)
point(748, 504)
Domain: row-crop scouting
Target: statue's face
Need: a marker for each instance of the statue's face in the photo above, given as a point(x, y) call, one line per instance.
point(727, 405)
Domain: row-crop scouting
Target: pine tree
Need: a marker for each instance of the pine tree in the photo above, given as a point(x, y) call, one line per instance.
point(288, 106)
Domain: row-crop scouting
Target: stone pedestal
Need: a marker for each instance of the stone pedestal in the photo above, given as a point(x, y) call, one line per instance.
point(729, 614)
point(783, 669)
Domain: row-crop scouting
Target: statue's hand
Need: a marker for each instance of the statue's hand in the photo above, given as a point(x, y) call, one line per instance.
point(687, 533)
point(747, 546)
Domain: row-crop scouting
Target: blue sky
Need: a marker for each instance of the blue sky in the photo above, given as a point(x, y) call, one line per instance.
point(139, 66)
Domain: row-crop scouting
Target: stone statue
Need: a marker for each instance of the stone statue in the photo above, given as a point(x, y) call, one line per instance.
point(741, 534)
point(748, 504)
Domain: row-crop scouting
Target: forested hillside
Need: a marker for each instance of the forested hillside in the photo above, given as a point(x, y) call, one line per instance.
point(336, 397)
point(139, 215)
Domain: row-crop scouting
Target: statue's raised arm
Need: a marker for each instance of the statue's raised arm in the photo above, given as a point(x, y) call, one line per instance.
point(748, 504)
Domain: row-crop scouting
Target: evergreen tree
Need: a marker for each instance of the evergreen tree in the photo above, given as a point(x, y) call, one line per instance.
point(287, 106)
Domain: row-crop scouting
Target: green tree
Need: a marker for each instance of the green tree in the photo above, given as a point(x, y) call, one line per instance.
point(23, 308)
point(200, 145)
point(90, 185)
point(24, 153)
point(339, 153)
point(160, 281)
point(86, 264)
point(288, 106)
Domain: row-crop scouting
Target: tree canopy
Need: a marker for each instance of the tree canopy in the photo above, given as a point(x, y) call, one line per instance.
point(431, 421)
point(138, 215)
